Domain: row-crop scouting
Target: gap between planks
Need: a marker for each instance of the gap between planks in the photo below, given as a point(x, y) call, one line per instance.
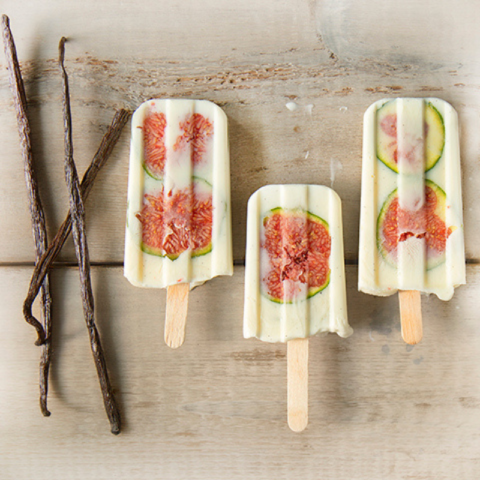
point(236, 263)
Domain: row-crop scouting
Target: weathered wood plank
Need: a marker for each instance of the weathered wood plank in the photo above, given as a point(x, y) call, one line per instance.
point(319, 142)
point(216, 407)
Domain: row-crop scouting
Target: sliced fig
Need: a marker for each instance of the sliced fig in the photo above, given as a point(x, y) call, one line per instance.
point(154, 144)
point(386, 132)
point(175, 222)
point(196, 131)
point(297, 245)
point(396, 224)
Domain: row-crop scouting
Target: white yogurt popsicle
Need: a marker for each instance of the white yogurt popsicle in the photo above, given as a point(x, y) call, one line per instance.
point(178, 216)
point(295, 277)
point(411, 227)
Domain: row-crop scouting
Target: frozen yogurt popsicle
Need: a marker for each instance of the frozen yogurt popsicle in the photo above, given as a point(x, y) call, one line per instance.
point(294, 276)
point(178, 232)
point(411, 227)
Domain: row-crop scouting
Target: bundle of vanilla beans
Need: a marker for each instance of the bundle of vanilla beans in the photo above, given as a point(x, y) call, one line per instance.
point(74, 222)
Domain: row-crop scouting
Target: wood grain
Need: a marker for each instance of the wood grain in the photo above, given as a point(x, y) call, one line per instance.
point(253, 75)
point(215, 408)
point(176, 314)
point(411, 316)
point(297, 384)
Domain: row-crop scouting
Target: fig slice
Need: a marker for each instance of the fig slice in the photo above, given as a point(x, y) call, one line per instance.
point(386, 135)
point(178, 221)
point(297, 247)
point(395, 225)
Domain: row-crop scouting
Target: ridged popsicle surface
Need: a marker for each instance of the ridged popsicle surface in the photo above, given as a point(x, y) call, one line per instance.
point(294, 276)
point(178, 215)
point(411, 226)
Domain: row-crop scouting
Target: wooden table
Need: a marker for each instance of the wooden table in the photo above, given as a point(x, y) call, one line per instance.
point(216, 408)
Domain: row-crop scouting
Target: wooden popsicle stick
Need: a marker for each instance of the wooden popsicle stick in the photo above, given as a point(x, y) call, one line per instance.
point(176, 314)
point(297, 373)
point(411, 316)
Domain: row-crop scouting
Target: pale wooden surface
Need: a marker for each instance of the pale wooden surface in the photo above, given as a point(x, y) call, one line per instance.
point(252, 58)
point(216, 408)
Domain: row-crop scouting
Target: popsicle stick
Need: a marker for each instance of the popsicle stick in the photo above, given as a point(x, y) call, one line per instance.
point(176, 314)
point(297, 372)
point(411, 316)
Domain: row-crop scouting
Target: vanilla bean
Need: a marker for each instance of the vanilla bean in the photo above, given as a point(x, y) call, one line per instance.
point(35, 204)
point(77, 213)
point(103, 153)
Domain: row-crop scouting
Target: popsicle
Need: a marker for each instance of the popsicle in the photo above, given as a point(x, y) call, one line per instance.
point(294, 277)
point(178, 231)
point(411, 227)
